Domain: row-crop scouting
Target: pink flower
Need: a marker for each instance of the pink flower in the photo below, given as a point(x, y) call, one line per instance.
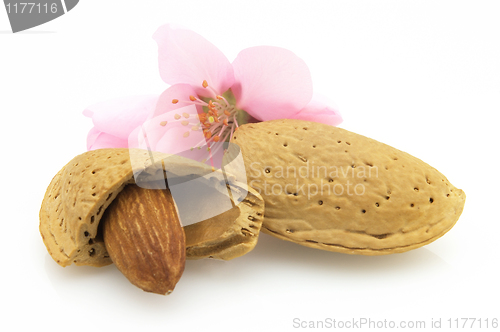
point(209, 96)
point(114, 120)
point(263, 83)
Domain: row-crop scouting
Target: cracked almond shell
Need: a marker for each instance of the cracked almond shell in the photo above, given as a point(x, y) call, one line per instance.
point(404, 204)
point(80, 192)
point(228, 235)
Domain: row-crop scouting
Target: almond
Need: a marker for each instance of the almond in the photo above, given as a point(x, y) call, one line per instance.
point(328, 188)
point(80, 193)
point(144, 238)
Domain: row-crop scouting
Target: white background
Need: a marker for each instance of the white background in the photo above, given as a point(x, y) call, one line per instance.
point(422, 76)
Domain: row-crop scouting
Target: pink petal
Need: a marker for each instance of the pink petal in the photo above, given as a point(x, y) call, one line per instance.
point(186, 57)
point(172, 132)
point(320, 109)
point(271, 82)
point(99, 140)
point(181, 92)
point(178, 132)
point(173, 141)
point(119, 117)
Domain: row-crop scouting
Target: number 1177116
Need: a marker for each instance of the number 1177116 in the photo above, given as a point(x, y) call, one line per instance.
point(473, 323)
point(31, 8)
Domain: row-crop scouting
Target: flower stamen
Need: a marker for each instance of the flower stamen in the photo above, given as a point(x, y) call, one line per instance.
point(217, 121)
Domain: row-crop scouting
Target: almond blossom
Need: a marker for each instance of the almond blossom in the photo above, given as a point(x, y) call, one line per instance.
point(209, 97)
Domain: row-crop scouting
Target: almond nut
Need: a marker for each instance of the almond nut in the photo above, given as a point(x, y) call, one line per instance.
point(144, 238)
point(80, 193)
point(328, 188)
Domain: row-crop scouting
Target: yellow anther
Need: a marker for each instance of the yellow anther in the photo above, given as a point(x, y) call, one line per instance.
point(211, 119)
point(185, 122)
point(163, 123)
point(186, 115)
point(186, 134)
point(177, 116)
point(205, 84)
point(175, 101)
point(192, 98)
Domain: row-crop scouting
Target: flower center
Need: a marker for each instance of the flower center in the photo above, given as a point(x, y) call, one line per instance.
point(220, 117)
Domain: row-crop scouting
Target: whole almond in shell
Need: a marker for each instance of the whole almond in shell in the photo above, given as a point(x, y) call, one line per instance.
point(144, 238)
point(328, 188)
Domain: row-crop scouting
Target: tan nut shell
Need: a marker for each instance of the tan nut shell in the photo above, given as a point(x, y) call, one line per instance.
point(81, 191)
point(229, 235)
point(405, 204)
